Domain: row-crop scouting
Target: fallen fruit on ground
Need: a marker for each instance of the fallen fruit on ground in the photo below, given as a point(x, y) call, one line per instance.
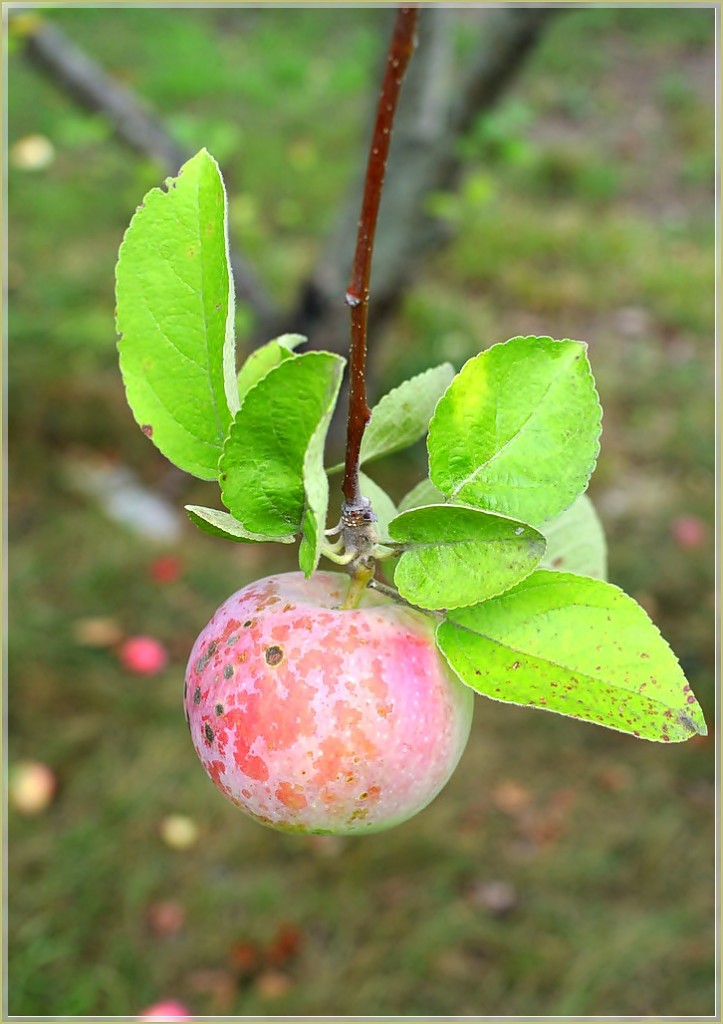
point(179, 832)
point(316, 719)
point(689, 532)
point(143, 655)
point(31, 788)
point(169, 1009)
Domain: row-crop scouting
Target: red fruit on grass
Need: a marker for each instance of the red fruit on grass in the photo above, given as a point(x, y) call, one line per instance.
point(165, 569)
point(315, 719)
point(689, 532)
point(169, 1009)
point(166, 917)
point(143, 655)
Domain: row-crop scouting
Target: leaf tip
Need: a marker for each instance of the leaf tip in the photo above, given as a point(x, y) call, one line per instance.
point(694, 726)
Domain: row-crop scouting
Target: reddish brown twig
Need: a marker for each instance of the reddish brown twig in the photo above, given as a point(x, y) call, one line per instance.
point(401, 48)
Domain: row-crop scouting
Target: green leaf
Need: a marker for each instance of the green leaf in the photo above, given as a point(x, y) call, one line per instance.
point(402, 416)
point(517, 430)
point(577, 646)
point(262, 468)
point(265, 358)
point(425, 493)
point(221, 524)
point(175, 318)
point(576, 541)
point(458, 555)
point(316, 482)
point(384, 508)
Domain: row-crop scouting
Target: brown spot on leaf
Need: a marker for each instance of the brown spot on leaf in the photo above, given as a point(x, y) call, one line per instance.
point(147, 429)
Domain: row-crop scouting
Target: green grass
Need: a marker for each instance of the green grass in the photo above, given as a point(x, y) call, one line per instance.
point(569, 222)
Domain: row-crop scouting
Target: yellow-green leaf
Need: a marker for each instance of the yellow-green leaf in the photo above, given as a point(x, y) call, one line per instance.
point(576, 646)
point(175, 317)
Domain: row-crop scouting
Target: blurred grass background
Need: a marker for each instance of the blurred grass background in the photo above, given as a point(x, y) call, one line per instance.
point(565, 869)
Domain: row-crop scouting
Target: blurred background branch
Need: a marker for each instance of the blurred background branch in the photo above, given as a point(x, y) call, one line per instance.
point(72, 70)
point(439, 105)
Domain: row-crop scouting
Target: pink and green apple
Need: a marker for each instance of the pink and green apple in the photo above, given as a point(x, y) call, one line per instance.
point(315, 719)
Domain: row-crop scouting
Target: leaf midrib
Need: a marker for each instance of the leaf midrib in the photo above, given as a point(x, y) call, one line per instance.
point(202, 258)
point(545, 660)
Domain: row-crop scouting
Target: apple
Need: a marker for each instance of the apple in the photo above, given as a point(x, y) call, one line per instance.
point(168, 1009)
point(179, 832)
point(165, 569)
point(316, 719)
point(143, 655)
point(689, 532)
point(31, 787)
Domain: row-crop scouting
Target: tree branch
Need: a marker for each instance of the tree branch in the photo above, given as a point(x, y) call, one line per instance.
point(68, 66)
point(401, 48)
point(437, 107)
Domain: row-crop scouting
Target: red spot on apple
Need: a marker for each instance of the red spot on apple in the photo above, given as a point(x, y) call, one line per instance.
point(291, 796)
point(343, 721)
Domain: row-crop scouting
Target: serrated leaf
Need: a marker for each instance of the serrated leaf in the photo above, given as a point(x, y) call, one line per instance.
point(175, 317)
point(425, 493)
point(262, 465)
point(576, 646)
point(220, 524)
point(576, 541)
point(384, 508)
point(316, 482)
point(265, 358)
point(402, 416)
point(459, 556)
point(517, 430)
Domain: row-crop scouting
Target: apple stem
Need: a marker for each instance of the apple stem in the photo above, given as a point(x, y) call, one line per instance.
point(356, 510)
point(358, 585)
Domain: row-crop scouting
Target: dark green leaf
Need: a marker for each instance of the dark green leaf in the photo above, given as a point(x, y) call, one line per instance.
point(262, 467)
